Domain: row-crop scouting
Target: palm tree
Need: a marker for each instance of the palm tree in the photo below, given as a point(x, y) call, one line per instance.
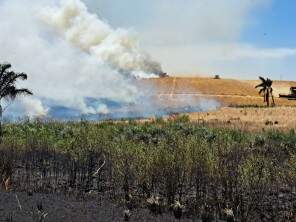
point(266, 90)
point(8, 89)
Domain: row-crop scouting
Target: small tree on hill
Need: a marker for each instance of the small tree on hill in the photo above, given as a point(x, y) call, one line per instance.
point(266, 90)
point(8, 88)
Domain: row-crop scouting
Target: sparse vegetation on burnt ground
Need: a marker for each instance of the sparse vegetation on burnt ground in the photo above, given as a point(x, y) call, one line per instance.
point(188, 169)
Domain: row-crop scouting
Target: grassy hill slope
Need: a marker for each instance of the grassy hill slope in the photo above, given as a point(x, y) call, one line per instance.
point(226, 91)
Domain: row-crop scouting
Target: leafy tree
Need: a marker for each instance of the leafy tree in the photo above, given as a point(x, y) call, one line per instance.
point(266, 90)
point(8, 88)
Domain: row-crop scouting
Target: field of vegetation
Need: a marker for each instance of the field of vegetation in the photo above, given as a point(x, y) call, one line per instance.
point(189, 170)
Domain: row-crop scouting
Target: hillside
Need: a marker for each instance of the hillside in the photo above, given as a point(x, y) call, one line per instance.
point(228, 92)
point(233, 98)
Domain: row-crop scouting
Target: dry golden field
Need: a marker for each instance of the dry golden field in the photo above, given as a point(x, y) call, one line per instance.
point(228, 92)
point(231, 95)
point(250, 119)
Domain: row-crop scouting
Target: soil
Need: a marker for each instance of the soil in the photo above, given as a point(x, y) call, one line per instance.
point(63, 209)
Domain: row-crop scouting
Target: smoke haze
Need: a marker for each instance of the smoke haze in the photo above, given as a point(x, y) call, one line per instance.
point(226, 37)
point(71, 56)
point(118, 48)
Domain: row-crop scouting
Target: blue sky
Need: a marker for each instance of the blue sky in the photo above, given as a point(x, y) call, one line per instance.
point(274, 25)
point(240, 39)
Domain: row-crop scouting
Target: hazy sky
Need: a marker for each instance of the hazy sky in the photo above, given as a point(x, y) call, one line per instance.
point(62, 46)
point(232, 38)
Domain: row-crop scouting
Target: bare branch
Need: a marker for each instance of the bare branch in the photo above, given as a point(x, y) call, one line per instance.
point(18, 202)
point(100, 168)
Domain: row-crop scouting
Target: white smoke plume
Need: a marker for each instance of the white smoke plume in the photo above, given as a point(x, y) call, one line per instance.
point(86, 31)
point(28, 106)
point(70, 55)
point(33, 107)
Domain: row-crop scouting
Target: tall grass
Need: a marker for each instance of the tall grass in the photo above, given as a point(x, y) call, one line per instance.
point(206, 169)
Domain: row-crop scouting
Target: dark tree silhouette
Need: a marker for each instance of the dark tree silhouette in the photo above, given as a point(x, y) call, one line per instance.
point(8, 88)
point(266, 90)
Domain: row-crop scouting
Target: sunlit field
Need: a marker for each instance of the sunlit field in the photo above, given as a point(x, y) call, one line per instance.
point(249, 118)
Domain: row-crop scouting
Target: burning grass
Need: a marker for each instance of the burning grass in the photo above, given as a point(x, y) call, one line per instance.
point(206, 171)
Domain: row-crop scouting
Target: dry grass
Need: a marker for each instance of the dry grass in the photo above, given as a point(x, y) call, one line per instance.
point(229, 93)
point(202, 85)
point(226, 91)
point(282, 118)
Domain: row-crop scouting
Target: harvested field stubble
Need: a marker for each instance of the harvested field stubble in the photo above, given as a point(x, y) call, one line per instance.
point(226, 91)
point(250, 118)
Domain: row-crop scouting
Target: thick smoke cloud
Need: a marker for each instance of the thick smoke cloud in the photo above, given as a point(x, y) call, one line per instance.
point(86, 31)
point(192, 37)
point(70, 55)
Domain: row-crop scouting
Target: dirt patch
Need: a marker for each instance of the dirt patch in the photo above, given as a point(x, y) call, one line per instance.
point(64, 209)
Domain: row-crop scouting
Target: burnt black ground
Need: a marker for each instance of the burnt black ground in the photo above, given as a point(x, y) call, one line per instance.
point(62, 209)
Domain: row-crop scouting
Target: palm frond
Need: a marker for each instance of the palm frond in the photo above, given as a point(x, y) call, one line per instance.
point(22, 91)
point(5, 78)
point(262, 79)
point(260, 85)
point(7, 91)
point(269, 82)
point(22, 76)
point(261, 91)
point(11, 92)
point(4, 68)
point(15, 76)
point(9, 78)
